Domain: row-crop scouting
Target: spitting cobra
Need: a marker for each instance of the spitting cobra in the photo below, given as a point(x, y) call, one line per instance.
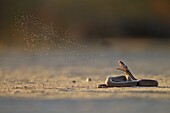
point(127, 81)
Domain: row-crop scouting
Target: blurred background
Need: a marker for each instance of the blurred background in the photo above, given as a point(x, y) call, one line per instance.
point(113, 23)
point(54, 42)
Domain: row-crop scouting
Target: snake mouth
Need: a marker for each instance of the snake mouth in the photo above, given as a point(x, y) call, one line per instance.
point(122, 67)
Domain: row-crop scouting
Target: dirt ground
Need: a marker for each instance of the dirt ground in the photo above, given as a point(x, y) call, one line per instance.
point(57, 83)
point(44, 86)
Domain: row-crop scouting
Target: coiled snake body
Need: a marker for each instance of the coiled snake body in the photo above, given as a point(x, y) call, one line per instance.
point(127, 81)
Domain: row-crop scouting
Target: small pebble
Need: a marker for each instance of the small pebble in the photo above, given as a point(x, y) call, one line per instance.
point(43, 85)
point(74, 81)
point(88, 79)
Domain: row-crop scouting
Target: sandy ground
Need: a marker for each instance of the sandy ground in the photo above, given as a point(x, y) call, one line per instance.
point(45, 86)
point(57, 83)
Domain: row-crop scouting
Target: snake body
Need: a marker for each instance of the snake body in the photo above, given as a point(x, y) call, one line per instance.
point(112, 83)
point(127, 81)
point(147, 82)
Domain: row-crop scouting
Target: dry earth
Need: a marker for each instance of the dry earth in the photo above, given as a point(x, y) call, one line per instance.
point(52, 83)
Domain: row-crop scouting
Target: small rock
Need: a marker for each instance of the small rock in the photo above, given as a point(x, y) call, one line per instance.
point(88, 79)
point(74, 81)
point(43, 85)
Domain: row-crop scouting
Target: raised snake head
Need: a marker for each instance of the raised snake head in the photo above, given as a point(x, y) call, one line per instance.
point(122, 67)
